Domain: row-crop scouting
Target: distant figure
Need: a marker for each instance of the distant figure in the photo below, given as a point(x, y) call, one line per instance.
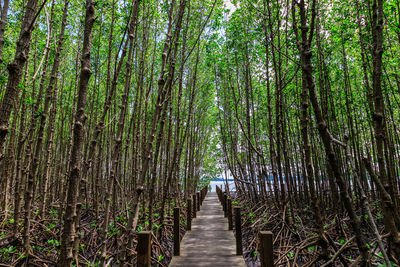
point(209, 187)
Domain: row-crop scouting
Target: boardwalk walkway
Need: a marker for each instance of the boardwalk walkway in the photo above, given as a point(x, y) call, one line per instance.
point(209, 244)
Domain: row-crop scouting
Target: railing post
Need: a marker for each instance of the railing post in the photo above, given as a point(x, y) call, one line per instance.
point(177, 238)
point(198, 201)
point(238, 228)
point(143, 249)
point(267, 249)
point(194, 206)
point(189, 214)
point(230, 224)
point(224, 204)
point(218, 193)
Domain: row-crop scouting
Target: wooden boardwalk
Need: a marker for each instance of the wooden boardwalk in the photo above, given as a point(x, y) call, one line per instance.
point(209, 244)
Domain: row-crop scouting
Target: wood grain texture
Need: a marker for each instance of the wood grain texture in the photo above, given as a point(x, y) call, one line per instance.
point(209, 243)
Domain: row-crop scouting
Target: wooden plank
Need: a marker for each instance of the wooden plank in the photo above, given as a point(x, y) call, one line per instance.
point(230, 222)
point(225, 205)
point(194, 206)
point(209, 244)
point(177, 232)
point(189, 215)
point(238, 229)
point(266, 249)
point(198, 201)
point(143, 249)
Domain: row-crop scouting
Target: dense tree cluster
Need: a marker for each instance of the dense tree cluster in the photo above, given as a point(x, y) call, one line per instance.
point(106, 122)
point(113, 112)
point(308, 97)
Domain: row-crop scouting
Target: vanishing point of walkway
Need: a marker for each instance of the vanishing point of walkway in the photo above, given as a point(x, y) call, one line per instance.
point(209, 243)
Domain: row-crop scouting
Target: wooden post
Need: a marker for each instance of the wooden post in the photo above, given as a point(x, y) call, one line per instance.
point(198, 201)
point(194, 205)
point(238, 228)
point(143, 249)
point(224, 204)
point(230, 224)
point(218, 193)
point(267, 249)
point(177, 238)
point(189, 215)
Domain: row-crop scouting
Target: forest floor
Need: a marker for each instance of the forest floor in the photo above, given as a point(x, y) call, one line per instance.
point(295, 238)
point(45, 240)
point(295, 234)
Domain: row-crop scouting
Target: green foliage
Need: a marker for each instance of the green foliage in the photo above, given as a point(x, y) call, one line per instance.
point(112, 229)
point(53, 242)
point(93, 264)
point(218, 110)
point(81, 247)
point(50, 227)
point(6, 251)
point(392, 264)
point(156, 226)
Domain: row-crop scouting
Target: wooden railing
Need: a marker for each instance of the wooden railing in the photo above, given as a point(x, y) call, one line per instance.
point(265, 237)
point(143, 248)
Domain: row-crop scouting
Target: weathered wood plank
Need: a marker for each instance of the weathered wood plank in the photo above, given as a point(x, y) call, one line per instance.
point(209, 243)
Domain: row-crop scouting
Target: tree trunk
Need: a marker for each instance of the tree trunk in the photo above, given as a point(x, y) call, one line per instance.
point(15, 70)
point(68, 234)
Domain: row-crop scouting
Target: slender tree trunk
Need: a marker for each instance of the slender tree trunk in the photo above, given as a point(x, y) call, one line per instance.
point(304, 46)
point(68, 234)
point(3, 23)
point(380, 120)
point(51, 95)
point(15, 69)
